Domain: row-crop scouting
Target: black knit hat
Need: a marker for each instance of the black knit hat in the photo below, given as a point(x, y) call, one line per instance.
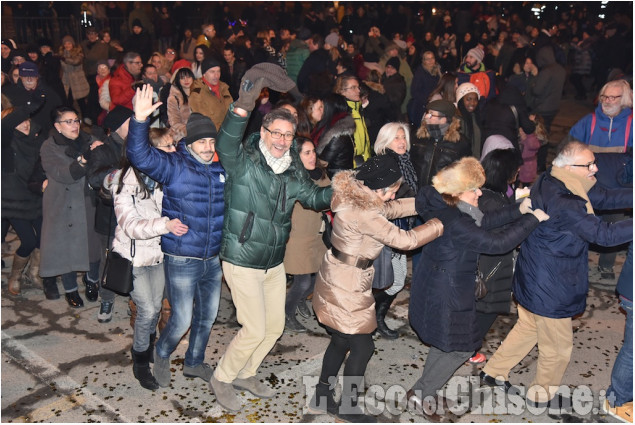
point(117, 117)
point(394, 62)
point(443, 106)
point(199, 127)
point(137, 23)
point(379, 172)
point(208, 63)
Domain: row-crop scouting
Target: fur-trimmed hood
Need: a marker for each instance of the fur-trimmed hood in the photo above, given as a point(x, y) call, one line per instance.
point(378, 87)
point(349, 192)
point(344, 126)
point(452, 135)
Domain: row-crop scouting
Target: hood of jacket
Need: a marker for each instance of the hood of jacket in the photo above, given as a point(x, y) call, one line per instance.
point(452, 135)
point(343, 127)
point(378, 87)
point(350, 192)
point(545, 57)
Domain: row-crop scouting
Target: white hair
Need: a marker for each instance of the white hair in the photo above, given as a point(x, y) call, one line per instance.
point(568, 152)
point(627, 92)
point(387, 134)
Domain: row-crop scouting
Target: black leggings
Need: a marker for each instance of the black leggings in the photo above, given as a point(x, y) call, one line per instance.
point(361, 348)
point(28, 232)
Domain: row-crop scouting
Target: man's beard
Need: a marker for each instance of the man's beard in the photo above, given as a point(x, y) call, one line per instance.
point(611, 110)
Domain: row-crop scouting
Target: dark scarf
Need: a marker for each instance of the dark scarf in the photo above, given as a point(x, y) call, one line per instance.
point(407, 169)
point(437, 131)
point(316, 174)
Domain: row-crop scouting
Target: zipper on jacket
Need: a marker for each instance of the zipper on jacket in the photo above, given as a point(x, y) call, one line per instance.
point(246, 227)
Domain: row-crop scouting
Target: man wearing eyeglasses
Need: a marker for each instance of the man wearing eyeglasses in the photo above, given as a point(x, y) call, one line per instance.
point(608, 131)
point(264, 180)
point(122, 82)
point(550, 281)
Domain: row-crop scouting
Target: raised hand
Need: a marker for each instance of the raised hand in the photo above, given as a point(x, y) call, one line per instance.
point(143, 106)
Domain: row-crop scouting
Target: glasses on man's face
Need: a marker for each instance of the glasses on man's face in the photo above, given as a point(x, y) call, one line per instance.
point(609, 98)
point(587, 165)
point(351, 88)
point(430, 115)
point(170, 53)
point(71, 122)
point(136, 63)
point(275, 134)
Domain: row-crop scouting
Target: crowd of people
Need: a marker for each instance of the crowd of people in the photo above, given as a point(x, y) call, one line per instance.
point(325, 155)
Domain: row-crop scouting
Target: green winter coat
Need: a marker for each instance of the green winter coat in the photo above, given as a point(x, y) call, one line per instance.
point(258, 202)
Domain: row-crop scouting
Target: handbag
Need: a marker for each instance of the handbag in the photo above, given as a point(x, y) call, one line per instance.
point(384, 273)
point(327, 232)
point(480, 287)
point(117, 274)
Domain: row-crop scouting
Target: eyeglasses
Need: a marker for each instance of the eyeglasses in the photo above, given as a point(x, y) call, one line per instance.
point(611, 98)
point(71, 122)
point(351, 88)
point(136, 62)
point(276, 135)
point(588, 165)
point(170, 53)
point(430, 115)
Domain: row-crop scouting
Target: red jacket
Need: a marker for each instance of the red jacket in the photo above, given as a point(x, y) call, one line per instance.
point(121, 91)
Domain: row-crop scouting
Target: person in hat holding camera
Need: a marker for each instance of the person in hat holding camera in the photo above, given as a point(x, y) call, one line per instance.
point(193, 185)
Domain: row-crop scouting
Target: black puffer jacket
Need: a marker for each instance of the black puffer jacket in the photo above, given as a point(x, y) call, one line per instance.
point(337, 145)
point(499, 286)
point(17, 200)
point(429, 155)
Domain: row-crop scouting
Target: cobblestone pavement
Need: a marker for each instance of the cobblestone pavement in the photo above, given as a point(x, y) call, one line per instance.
point(61, 365)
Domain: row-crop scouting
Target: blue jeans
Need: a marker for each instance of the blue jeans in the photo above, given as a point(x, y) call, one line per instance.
point(303, 285)
point(147, 294)
point(193, 287)
point(621, 389)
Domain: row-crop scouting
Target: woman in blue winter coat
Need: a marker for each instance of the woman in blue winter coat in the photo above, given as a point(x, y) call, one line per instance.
point(442, 302)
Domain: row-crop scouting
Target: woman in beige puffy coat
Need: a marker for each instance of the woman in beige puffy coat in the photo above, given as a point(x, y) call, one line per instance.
point(343, 299)
point(305, 248)
point(137, 200)
point(179, 110)
point(73, 75)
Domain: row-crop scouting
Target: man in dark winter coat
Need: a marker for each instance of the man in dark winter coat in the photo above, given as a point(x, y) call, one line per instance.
point(394, 83)
point(21, 93)
point(551, 276)
point(193, 190)
point(316, 63)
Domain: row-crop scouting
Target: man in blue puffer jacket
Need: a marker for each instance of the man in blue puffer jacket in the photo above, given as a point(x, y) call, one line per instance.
point(551, 277)
point(193, 191)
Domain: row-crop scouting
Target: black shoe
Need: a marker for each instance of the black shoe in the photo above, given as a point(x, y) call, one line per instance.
point(490, 381)
point(50, 288)
point(291, 324)
point(141, 370)
point(74, 300)
point(304, 310)
point(92, 289)
point(105, 312)
point(323, 401)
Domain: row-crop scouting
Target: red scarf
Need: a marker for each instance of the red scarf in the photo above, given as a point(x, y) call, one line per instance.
point(215, 89)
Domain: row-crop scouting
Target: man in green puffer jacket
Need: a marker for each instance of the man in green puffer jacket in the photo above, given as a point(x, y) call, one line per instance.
point(264, 179)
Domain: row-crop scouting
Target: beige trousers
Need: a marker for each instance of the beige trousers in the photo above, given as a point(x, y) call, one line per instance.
point(555, 343)
point(259, 299)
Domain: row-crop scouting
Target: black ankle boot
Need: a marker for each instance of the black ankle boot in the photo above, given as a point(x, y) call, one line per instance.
point(141, 370)
point(382, 305)
point(323, 401)
point(74, 300)
point(50, 288)
point(348, 407)
point(92, 289)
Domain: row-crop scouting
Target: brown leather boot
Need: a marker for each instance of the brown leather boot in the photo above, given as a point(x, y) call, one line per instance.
point(32, 272)
point(165, 314)
point(19, 263)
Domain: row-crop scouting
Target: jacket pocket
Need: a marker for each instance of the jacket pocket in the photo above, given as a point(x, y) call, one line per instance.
point(245, 233)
